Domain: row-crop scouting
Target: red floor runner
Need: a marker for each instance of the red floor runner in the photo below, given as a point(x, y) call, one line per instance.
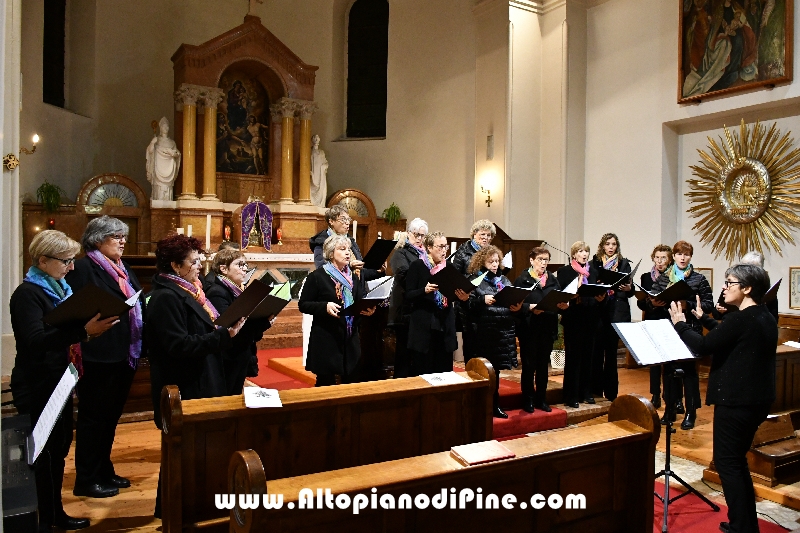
point(519, 422)
point(272, 379)
point(690, 514)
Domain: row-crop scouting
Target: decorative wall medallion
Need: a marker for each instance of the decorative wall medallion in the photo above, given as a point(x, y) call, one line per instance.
point(747, 191)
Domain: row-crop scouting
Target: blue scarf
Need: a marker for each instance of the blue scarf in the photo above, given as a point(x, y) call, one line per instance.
point(344, 289)
point(56, 290)
point(475, 245)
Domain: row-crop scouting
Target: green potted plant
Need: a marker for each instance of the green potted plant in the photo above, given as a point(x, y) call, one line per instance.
point(392, 214)
point(49, 196)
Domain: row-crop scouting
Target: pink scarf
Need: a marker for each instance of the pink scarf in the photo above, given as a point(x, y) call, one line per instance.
point(542, 280)
point(583, 271)
point(196, 290)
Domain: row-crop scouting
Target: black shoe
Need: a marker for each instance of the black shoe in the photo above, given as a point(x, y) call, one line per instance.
point(589, 400)
point(665, 419)
point(724, 527)
point(656, 401)
point(499, 413)
point(688, 420)
point(67, 522)
point(542, 406)
point(118, 481)
point(574, 405)
point(96, 490)
point(527, 405)
point(679, 408)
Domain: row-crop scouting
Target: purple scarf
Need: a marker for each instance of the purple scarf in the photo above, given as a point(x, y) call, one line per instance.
point(120, 275)
point(230, 285)
point(196, 290)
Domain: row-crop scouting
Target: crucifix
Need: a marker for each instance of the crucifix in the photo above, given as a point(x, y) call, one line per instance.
point(251, 4)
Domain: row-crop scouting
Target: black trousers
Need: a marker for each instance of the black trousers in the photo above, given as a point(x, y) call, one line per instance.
point(49, 466)
point(734, 429)
point(469, 342)
point(236, 367)
point(102, 391)
point(402, 356)
point(605, 381)
point(655, 384)
point(578, 344)
point(534, 350)
point(691, 384)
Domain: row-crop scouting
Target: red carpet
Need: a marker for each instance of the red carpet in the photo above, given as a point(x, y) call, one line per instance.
point(272, 379)
point(691, 515)
point(519, 422)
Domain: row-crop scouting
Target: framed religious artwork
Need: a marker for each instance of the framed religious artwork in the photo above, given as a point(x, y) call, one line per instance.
point(729, 46)
point(709, 274)
point(794, 287)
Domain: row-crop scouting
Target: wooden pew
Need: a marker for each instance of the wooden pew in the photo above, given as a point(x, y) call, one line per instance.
point(316, 430)
point(611, 464)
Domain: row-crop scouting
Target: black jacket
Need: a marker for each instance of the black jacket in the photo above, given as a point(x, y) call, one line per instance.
point(316, 242)
point(426, 316)
point(243, 346)
point(528, 323)
point(743, 356)
point(582, 312)
point(772, 307)
point(463, 257)
point(184, 346)
point(399, 307)
point(495, 336)
point(699, 284)
point(42, 350)
point(113, 345)
point(329, 349)
point(615, 308)
point(650, 312)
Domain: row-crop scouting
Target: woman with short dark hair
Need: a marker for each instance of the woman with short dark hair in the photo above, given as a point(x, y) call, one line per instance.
point(741, 382)
point(109, 363)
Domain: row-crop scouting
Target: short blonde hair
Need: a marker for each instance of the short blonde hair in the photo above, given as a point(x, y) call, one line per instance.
point(225, 257)
point(331, 243)
point(430, 237)
point(52, 243)
point(577, 247)
point(483, 225)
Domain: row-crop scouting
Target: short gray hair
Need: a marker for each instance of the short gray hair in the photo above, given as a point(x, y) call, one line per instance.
point(752, 276)
point(99, 228)
point(331, 243)
point(416, 224)
point(753, 258)
point(53, 243)
point(483, 225)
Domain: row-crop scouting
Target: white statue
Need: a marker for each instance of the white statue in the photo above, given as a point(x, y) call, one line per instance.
point(319, 174)
point(163, 162)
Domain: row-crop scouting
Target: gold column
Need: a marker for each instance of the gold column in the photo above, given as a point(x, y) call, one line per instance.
point(212, 97)
point(306, 110)
point(288, 108)
point(186, 97)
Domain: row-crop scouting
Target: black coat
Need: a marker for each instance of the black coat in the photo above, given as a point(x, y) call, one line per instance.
point(582, 311)
point(743, 356)
point(113, 345)
point(399, 307)
point(329, 350)
point(463, 257)
point(316, 242)
point(426, 316)
point(699, 284)
point(495, 335)
point(616, 308)
point(42, 350)
point(528, 323)
point(650, 312)
point(184, 346)
point(243, 347)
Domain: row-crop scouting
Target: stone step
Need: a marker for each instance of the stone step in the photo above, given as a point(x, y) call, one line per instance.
point(283, 340)
point(286, 325)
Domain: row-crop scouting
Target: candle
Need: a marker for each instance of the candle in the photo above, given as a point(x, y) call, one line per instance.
point(179, 231)
point(452, 247)
point(189, 230)
point(208, 232)
point(355, 225)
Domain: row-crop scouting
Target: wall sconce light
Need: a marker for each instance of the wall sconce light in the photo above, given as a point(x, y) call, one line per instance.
point(488, 196)
point(10, 161)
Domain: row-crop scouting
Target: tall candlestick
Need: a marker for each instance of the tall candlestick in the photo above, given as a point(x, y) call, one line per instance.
point(208, 232)
point(452, 247)
point(188, 230)
point(179, 231)
point(355, 225)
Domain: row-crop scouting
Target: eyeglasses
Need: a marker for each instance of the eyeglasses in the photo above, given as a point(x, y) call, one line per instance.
point(242, 265)
point(344, 220)
point(543, 259)
point(118, 237)
point(440, 246)
point(65, 262)
point(194, 262)
point(418, 235)
point(727, 283)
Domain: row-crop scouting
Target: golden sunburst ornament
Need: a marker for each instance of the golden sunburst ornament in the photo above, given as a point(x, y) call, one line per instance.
point(746, 191)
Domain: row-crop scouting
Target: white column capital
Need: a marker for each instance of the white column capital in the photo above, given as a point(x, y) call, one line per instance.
point(187, 94)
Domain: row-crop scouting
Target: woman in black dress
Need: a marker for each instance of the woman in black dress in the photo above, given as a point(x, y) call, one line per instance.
point(580, 322)
point(432, 326)
point(741, 383)
point(536, 330)
point(333, 344)
point(43, 354)
point(495, 338)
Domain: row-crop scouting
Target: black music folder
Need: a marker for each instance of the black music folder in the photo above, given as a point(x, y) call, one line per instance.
point(85, 303)
point(378, 253)
point(511, 295)
point(677, 292)
point(552, 299)
point(256, 301)
point(449, 279)
point(591, 290)
point(613, 278)
point(378, 294)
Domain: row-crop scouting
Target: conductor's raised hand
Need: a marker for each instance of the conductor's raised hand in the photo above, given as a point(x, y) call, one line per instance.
point(676, 313)
point(430, 287)
point(698, 310)
point(234, 329)
point(333, 309)
point(461, 295)
point(368, 312)
point(516, 307)
point(97, 327)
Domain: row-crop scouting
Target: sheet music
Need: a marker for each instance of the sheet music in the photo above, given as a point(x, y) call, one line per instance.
point(375, 282)
point(44, 426)
point(792, 344)
point(477, 281)
point(382, 290)
point(663, 335)
point(572, 288)
point(444, 378)
point(132, 300)
point(653, 342)
point(507, 261)
point(256, 397)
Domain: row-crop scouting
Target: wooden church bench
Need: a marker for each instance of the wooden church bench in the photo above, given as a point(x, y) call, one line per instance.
point(775, 455)
point(317, 429)
point(611, 464)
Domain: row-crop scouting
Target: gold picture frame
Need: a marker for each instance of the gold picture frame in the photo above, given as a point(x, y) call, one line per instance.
point(709, 274)
point(794, 287)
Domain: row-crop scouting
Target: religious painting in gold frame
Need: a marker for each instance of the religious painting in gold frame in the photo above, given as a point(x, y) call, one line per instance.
point(746, 191)
point(709, 275)
point(794, 287)
point(729, 46)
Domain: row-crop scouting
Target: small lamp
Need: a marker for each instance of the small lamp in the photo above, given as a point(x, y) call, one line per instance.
point(10, 161)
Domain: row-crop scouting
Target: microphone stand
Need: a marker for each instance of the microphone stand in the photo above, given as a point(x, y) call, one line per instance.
point(677, 375)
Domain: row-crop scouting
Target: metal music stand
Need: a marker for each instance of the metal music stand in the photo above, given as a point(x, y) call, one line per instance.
point(676, 374)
